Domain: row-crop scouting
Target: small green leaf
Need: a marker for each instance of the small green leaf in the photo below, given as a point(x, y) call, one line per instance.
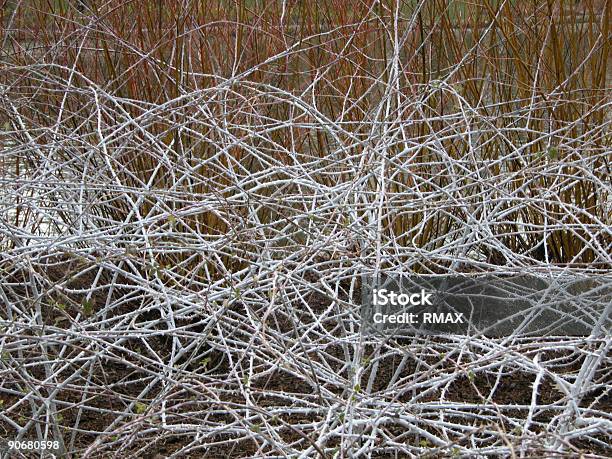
point(140, 408)
point(470, 375)
point(424, 443)
point(553, 153)
point(87, 307)
point(205, 361)
point(172, 219)
point(256, 428)
point(357, 388)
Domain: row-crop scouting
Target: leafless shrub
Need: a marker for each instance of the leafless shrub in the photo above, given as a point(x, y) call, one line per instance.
point(190, 198)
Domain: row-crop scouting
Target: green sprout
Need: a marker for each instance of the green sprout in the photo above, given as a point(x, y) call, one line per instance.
point(87, 306)
point(424, 443)
point(140, 408)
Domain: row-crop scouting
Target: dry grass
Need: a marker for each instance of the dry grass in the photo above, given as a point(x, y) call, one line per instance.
point(517, 86)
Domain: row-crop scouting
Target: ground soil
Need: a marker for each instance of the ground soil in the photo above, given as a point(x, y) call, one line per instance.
point(117, 380)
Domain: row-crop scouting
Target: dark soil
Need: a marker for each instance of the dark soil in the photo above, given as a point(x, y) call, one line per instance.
point(118, 377)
